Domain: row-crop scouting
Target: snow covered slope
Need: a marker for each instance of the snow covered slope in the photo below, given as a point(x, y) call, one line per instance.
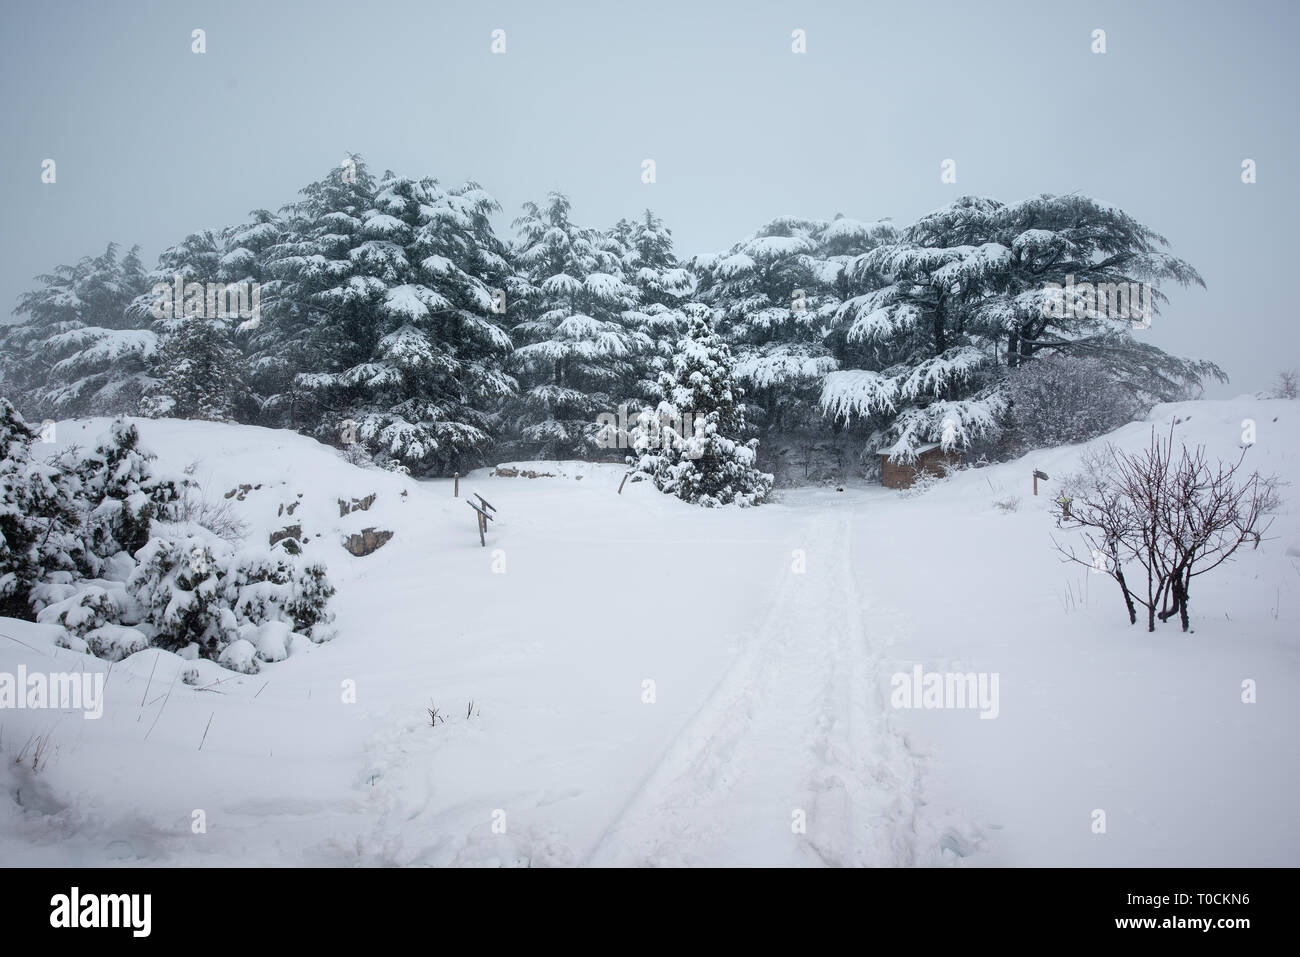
point(653, 683)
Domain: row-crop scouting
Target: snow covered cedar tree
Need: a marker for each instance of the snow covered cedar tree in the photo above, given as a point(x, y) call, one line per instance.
point(967, 292)
point(708, 464)
point(395, 294)
point(198, 373)
point(575, 344)
point(78, 351)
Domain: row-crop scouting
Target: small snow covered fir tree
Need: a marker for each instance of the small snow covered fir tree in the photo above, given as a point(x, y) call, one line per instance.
point(707, 463)
point(120, 493)
point(38, 517)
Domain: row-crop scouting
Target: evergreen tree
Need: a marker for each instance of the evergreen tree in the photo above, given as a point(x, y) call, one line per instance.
point(662, 285)
point(78, 351)
point(399, 292)
point(198, 374)
point(966, 293)
point(577, 348)
point(119, 493)
point(38, 517)
point(650, 264)
point(708, 463)
point(775, 295)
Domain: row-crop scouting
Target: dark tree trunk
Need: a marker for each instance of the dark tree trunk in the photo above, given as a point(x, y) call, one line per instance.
point(1128, 599)
point(1184, 595)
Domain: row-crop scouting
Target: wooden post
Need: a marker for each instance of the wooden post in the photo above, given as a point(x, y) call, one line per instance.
point(622, 483)
point(481, 539)
point(1035, 483)
point(456, 493)
point(1038, 474)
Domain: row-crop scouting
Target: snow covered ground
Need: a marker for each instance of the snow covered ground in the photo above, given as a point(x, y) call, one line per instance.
point(657, 684)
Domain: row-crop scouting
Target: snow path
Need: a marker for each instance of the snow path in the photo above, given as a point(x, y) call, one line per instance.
point(794, 738)
point(783, 752)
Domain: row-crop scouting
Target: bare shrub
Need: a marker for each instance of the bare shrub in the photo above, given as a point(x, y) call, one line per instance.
point(1058, 401)
point(357, 454)
point(1174, 518)
point(217, 516)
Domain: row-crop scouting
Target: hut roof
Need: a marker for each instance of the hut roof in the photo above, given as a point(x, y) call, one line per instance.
point(921, 450)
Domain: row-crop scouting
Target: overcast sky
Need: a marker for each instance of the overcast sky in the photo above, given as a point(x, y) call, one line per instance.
point(153, 141)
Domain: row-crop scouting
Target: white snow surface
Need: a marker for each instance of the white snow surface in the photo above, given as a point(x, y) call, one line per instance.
point(771, 688)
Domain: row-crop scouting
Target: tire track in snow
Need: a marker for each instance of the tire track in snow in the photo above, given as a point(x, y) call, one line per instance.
point(797, 724)
point(707, 739)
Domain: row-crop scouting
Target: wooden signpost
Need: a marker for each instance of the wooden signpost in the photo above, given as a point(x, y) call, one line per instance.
point(481, 519)
point(481, 516)
point(456, 492)
point(1038, 475)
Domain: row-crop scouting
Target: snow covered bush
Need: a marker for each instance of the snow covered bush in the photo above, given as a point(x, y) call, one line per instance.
point(179, 582)
point(709, 464)
point(273, 586)
point(1055, 400)
point(185, 587)
point(91, 620)
point(97, 615)
point(198, 590)
point(85, 611)
point(38, 517)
